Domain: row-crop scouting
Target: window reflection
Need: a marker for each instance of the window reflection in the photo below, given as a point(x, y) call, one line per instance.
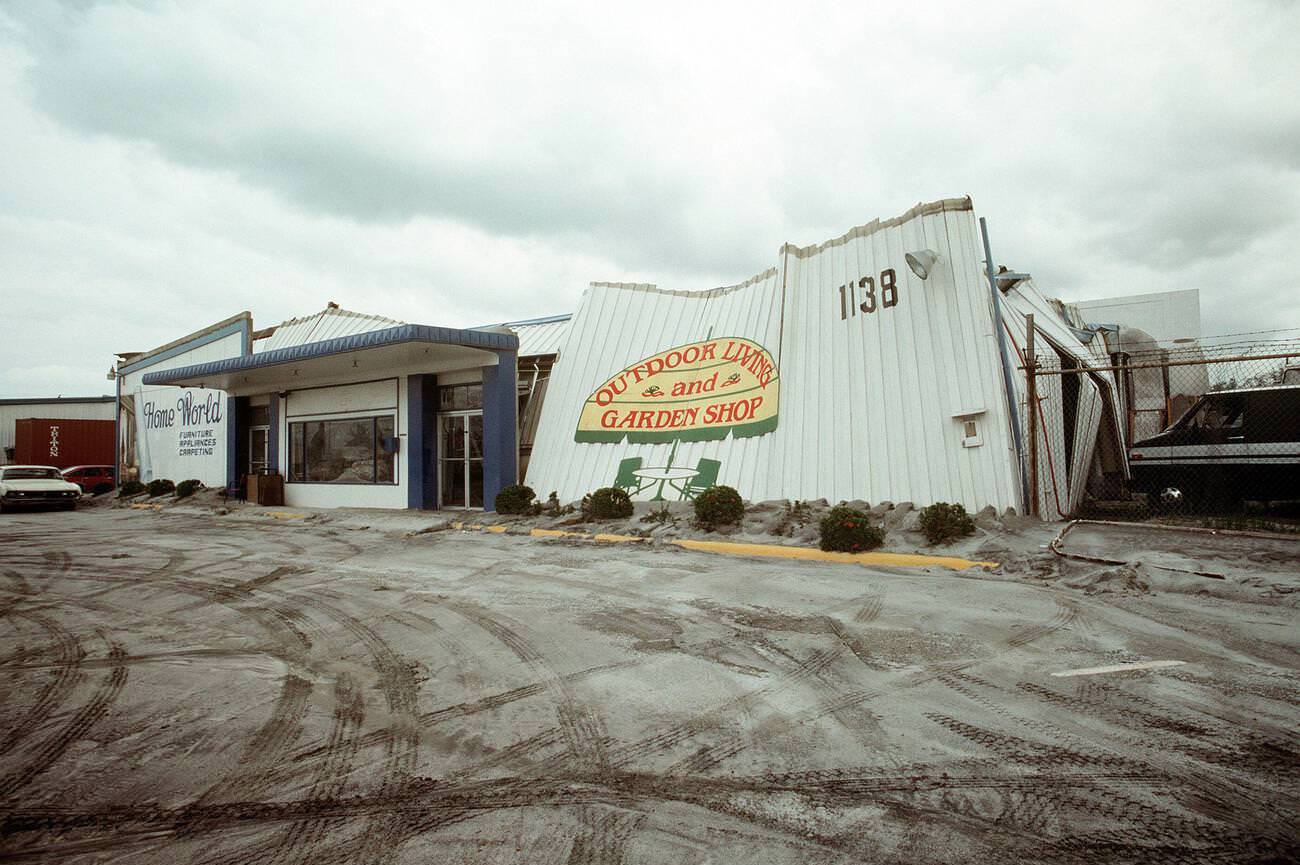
point(348, 451)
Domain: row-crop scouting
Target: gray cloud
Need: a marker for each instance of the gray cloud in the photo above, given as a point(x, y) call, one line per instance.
point(472, 165)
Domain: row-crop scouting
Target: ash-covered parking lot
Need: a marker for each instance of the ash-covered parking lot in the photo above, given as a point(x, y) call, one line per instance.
point(195, 688)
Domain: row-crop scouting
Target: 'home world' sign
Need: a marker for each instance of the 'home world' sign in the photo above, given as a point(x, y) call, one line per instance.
point(694, 392)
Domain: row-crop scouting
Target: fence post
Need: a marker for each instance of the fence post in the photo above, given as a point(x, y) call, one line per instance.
point(1031, 394)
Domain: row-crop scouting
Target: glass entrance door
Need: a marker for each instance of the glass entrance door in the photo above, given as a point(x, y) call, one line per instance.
point(460, 460)
point(258, 437)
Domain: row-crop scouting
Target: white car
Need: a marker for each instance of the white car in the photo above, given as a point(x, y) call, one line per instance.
point(21, 486)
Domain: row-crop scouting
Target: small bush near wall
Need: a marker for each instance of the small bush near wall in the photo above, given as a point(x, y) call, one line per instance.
point(849, 530)
point(553, 508)
point(515, 499)
point(719, 506)
point(607, 503)
point(130, 488)
point(187, 488)
point(944, 522)
point(159, 487)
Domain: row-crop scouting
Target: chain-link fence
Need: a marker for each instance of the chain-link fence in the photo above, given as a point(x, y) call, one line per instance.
point(1205, 432)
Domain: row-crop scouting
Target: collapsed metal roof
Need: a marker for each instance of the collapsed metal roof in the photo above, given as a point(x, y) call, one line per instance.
point(873, 404)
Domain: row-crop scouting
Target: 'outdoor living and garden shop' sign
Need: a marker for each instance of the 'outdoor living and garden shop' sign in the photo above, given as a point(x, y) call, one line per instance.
point(693, 392)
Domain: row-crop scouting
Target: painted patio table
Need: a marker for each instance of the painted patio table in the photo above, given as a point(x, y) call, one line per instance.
point(665, 475)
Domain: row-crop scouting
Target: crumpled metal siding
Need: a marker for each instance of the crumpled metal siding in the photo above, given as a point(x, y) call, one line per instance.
point(540, 338)
point(1061, 483)
point(324, 325)
point(869, 405)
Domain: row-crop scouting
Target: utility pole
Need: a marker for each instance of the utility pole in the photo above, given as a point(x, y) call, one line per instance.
point(1031, 393)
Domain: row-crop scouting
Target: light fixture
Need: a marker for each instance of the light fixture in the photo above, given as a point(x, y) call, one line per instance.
point(922, 262)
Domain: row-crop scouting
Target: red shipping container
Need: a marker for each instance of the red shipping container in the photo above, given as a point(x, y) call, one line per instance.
point(64, 442)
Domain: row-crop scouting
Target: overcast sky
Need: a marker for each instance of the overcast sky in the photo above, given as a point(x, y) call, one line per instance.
point(168, 165)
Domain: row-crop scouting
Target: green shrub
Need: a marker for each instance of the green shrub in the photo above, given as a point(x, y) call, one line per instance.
point(607, 503)
point(944, 522)
point(849, 530)
point(515, 499)
point(130, 488)
point(160, 486)
point(187, 488)
point(719, 506)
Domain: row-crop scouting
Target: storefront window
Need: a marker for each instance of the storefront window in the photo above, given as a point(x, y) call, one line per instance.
point(460, 397)
point(351, 451)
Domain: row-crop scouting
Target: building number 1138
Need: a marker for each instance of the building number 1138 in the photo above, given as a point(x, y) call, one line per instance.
point(872, 299)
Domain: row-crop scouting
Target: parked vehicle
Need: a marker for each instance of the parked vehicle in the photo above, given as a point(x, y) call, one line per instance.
point(25, 486)
point(1230, 446)
point(93, 480)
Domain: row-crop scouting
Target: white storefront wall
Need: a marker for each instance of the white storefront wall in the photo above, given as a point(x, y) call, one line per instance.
point(367, 399)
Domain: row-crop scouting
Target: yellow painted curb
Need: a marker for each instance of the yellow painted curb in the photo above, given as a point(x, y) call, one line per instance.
point(556, 533)
point(907, 560)
point(618, 539)
point(478, 527)
point(140, 506)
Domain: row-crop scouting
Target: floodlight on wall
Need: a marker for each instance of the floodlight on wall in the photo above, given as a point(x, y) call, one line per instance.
point(922, 262)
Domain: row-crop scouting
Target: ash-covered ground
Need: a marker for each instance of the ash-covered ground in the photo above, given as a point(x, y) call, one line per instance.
point(192, 686)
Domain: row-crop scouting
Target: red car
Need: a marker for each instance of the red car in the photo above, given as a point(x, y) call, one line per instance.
point(93, 480)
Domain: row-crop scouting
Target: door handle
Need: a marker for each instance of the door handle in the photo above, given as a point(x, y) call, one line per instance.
point(1236, 438)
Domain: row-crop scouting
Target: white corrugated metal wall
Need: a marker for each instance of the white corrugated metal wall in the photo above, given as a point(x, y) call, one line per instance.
point(870, 403)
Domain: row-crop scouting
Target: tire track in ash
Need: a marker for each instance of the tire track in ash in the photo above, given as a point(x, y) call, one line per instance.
point(300, 842)
point(1223, 747)
point(266, 749)
point(401, 739)
point(486, 704)
point(337, 757)
point(584, 731)
point(812, 669)
point(1038, 812)
point(68, 655)
point(605, 836)
point(90, 713)
point(1151, 820)
point(253, 772)
point(1066, 612)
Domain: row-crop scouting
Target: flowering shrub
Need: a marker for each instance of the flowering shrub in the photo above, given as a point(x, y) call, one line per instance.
point(849, 530)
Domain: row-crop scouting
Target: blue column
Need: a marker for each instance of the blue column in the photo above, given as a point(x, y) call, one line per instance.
point(421, 443)
point(273, 434)
point(500, 427)
point(232, 441)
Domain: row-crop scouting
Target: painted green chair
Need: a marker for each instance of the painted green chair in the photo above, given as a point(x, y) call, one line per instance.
point(627, 481)
point(706, 475)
